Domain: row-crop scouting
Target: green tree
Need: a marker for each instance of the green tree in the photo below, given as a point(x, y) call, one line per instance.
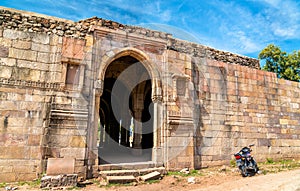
point(286, 66)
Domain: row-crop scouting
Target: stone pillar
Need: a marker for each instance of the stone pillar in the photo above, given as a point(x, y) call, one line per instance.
point(137, 142)
point(157, 155)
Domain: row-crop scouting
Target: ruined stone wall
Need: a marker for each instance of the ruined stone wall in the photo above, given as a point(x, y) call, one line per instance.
point(32, 22)
point(241, 106)
point(217, 102)
point(41, 116)
point(236, 106)
point(29, 70)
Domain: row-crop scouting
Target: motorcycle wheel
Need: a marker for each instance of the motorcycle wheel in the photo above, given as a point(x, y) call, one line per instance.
point(244, 172)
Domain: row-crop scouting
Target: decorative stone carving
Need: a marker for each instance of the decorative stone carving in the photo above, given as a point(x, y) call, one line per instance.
point(180, 86)
point(98, 84)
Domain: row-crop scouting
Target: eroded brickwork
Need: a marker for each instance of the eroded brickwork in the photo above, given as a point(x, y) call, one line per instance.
point(208, 103)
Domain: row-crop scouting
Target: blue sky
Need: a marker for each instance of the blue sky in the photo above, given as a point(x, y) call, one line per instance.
point(242, 26)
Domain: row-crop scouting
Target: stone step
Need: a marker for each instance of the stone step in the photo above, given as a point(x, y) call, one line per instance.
point(69, 107)
point(121, 179)
point(69, 111)
point(133, 172)
point(151, 176)
point(69, 115)
point(68, 126)
point(129, 166)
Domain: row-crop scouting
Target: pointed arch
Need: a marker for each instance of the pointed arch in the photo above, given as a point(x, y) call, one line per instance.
point(142, 57)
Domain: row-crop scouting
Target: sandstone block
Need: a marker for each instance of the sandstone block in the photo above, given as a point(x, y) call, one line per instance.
point(14, 34)
point(23, 168)
point(8, 61)
point(3, 51)
point(77, 141)
point(283, 121)
point(56, 166)
point(41, 38)
point(184, 159)
point(20, 44)
point(8, 177)
point(35, 152)
point(34, 140)
point(151, 176)
point(22, 54)
point(34, 75)
point(78, 153)
point(5, 72)
point(26, 64)
point(26, 176)
point(55, 49)
point(58, 140)
point(43, 57)
point(89, 41)
point(5, 42)
point(55, 40)
point(80, 169)
point(55, 57)
point(73, 48)
point(40, 47)
point(6, 169)
point(14, 152)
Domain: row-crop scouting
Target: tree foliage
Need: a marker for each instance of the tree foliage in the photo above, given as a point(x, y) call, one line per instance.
point(286, 66)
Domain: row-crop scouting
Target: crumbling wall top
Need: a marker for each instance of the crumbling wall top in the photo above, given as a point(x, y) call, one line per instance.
point(33, 22)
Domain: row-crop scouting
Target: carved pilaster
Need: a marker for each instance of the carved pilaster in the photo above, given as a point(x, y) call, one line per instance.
point(156, 91)
point(99, 85)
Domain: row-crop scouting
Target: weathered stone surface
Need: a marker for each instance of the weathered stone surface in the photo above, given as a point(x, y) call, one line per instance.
point(225, 103)
point(151, 176)
point(5, 72)
point(3, 51)
point(65, 180)
point(56, 166)
point(77, 141)
point(73, 48)
point(40, 47)
point(34, 140)
point(22, 54)
point(78, 153)
point(20, 44)
point(120, 179)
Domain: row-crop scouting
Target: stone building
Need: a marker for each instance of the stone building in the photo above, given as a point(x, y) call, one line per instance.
point(106, 93)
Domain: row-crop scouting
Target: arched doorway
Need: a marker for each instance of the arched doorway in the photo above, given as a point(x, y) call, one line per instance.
point(125, 114)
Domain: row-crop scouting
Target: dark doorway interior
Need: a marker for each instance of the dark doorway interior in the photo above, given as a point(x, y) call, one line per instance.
point(115, 142)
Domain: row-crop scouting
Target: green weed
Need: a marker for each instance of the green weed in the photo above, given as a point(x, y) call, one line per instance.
point(3, 184)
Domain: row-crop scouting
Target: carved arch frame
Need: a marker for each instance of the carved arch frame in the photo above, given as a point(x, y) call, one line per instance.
point(156, 89)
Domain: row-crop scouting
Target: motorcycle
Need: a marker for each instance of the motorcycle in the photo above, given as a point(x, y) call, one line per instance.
point(245, 162)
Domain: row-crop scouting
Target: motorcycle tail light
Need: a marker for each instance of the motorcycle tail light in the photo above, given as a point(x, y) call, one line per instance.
point(237, 157)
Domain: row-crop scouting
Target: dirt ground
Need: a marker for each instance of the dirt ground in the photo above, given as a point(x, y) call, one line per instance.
point(211, 179)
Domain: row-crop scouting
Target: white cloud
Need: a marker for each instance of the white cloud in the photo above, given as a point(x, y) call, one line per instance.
point(285, 18)
point(245, 30)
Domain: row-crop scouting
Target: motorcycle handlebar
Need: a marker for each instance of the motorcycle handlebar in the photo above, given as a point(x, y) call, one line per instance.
point(251, 145)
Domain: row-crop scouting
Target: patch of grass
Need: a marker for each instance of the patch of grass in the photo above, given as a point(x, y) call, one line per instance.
point(264, 172)
point(34, 183)
point(152, 181)
point(191, 173)
point(73, 188)
point(269, 161)
point(271, 166)
point(232, 163)
point(3, 184)
point(118, 185)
